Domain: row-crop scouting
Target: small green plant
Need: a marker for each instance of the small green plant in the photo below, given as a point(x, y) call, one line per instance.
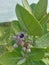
point(26, 41)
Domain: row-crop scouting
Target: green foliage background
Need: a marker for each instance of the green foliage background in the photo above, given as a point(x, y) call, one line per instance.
point(35, 21)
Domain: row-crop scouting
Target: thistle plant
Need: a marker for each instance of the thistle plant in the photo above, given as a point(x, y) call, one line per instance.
point(25, 41)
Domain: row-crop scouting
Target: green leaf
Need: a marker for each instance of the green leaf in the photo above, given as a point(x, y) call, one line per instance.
point(10, 58)
point(16, 26)
point(27, 6)
point(38, 63)
point(45, 18)
point(21, 61)
point(36, 54)
point(44, 21)
point(30, 62)
point(32, 25)
point(43, 41)
point(46, 61)
point(32, 6)
point(40, 9)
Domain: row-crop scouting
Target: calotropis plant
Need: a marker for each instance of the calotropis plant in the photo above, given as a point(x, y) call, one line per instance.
point(26, 41)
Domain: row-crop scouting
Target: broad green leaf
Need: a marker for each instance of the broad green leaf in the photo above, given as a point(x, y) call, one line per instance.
point(45, 18)
point(33, 26)
point(20, 62)
point(10, 58)
point(38, 63)
point(36, 54)
point(43, 41)
point(30, 62)
point(44, 21)
point(16, 26)
point(32, 6)
point(46, 61)
point(40, 9)
point(27, 6)
point(45, 27)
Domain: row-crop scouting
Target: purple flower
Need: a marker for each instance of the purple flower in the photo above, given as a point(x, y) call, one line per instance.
point(21, 39)
point(21, 35)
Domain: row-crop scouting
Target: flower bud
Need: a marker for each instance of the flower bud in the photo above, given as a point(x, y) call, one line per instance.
point(24, 49)
point(15, 45)
point(28, 50)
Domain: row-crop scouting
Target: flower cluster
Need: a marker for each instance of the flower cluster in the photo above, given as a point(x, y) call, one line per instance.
point(21, 39)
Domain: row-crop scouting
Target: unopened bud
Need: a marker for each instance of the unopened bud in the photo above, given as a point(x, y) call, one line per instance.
point(15, 45)
point(28, 50)
point(24, 49)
